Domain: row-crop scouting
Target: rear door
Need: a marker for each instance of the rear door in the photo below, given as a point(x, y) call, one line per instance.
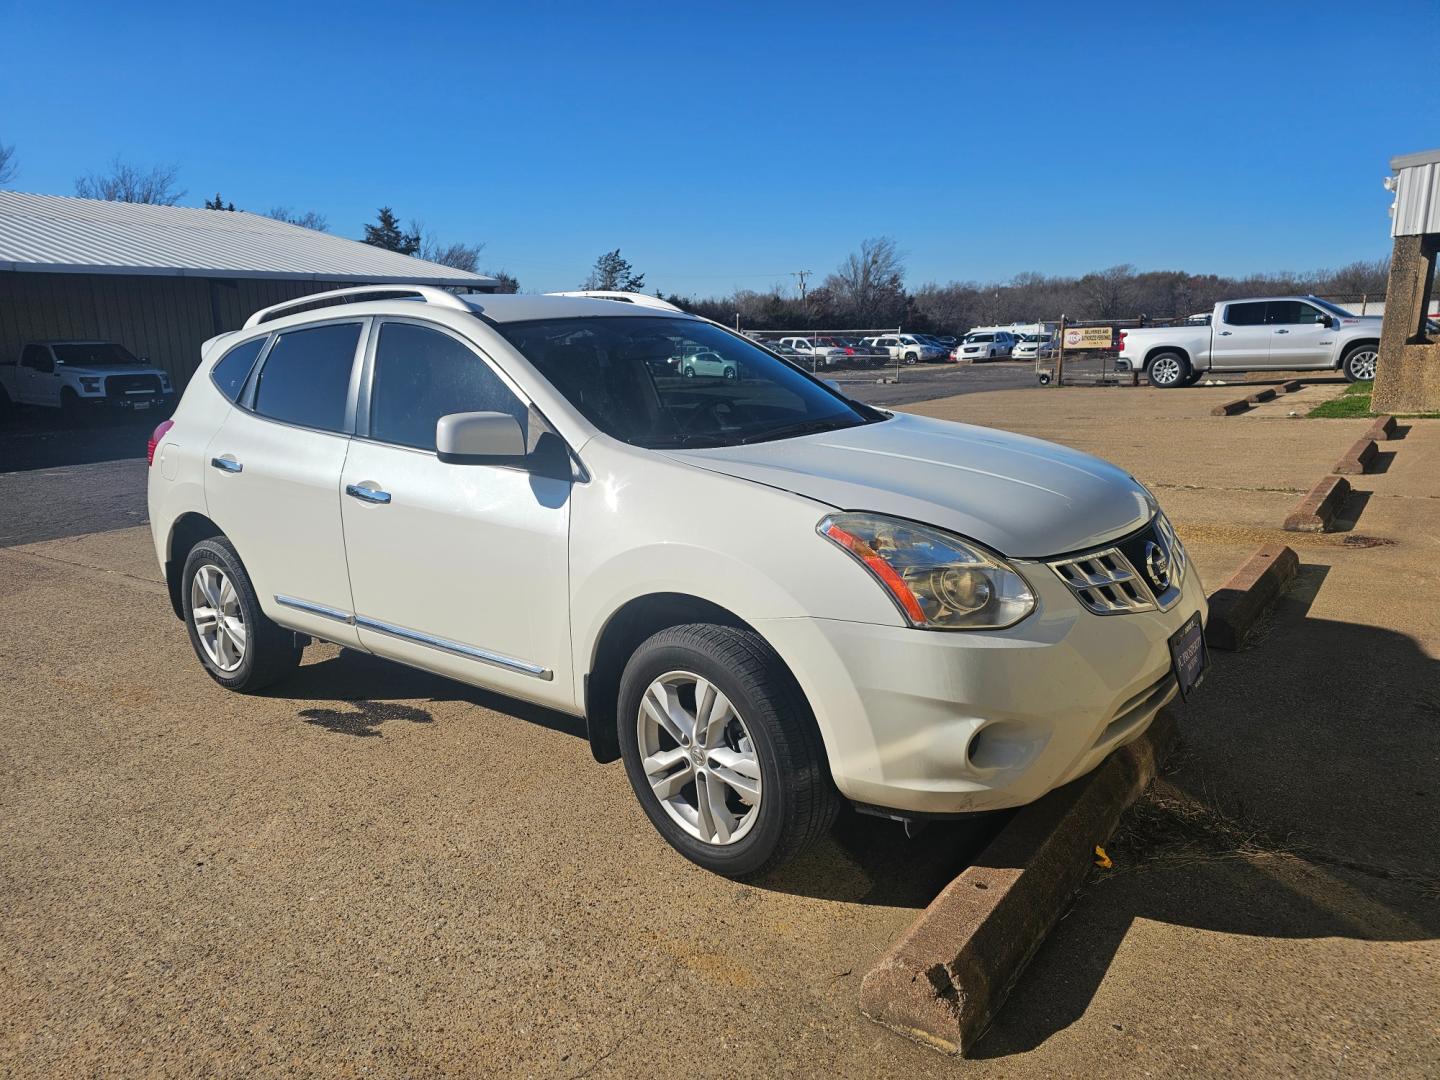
point(272, 477)
point(1241, 340)
point(461, 569)
point(1299, 337)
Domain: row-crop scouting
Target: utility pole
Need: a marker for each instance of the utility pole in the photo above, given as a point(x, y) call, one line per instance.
point(801, 275)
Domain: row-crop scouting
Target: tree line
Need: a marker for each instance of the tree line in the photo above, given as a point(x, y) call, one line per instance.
point(868, 291)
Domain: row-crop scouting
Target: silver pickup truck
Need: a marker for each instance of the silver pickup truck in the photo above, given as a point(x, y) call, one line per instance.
point(1278, 333)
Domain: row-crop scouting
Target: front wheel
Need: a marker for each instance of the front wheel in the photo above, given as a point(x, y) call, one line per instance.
point(1168, 370)
point(238, 645)
point(910, 358)
point(731, 374)
point(722, 750)
point(1359, 363)
point(689, 373)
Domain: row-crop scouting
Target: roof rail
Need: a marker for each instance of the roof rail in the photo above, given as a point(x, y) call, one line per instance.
point(638, 299)
point(428, 293)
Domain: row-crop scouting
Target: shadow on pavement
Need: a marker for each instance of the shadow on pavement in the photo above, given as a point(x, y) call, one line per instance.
point(381, 691)
point(34, 441)
point(1302, 805)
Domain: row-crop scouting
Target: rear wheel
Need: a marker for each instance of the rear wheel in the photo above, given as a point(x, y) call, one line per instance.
point(1359, 363)
point(689, 373)
point(910, 358)
point(1168, 370)
point(238, 645)
point(722, 750)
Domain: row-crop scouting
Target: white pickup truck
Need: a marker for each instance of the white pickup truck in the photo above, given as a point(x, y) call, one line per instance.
point(78, 377)
point(1279, 333)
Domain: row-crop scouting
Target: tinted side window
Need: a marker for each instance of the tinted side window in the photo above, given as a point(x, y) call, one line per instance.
point(422, 375)
point(37, 357)
point(1245, 314)
point(306, 376)
point(230, 373)
point(1290, 313)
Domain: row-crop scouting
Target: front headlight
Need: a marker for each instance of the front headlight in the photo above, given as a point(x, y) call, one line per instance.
point(90, 386)
point(937, 580)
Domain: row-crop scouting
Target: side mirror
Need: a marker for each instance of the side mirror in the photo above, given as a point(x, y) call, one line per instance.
point(479, 438)
point(1327, 321)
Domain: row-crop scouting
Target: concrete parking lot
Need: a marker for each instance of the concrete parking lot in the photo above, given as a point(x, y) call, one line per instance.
point(371, 871)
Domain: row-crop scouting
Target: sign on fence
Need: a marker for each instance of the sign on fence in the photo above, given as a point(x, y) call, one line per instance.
point(1088, 337)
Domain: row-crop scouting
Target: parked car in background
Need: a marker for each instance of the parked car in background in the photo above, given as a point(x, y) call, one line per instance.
point(907, 348)
point(82, 378)
point(709, 362)
point(1034, 346)
point(522, 506)
point(1279, 333)
point(814, 348)
point(990, 345)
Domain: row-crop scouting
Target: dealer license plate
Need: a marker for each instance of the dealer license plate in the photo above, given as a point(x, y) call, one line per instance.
point(1188, 656)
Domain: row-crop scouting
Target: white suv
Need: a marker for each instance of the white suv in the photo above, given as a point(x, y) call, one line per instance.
point(906, 347)
point(764, 597)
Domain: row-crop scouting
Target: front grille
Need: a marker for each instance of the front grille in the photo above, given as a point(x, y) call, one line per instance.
point(132, 384)
point(1142, 572)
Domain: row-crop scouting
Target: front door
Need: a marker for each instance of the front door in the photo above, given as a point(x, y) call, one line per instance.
point(461, 569)
point(1241, 340)
point(1299, 338)
point(35, 381)
point(272, 478)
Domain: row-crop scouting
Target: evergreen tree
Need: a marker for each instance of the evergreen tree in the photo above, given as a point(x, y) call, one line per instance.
point(386, 233)
point(613, 273)
point(218, 203)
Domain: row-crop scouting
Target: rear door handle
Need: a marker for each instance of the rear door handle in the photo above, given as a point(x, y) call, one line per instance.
point(226, 464)
point(367, 494)
point(1282, 331)
point(1224, 333)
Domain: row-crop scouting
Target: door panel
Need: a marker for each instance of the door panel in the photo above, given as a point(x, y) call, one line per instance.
point(470, 556)
point(281, 510)
point(1241, 339)
point(1299, 339)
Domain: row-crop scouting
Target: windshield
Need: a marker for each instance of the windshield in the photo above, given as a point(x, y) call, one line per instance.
point(1334, 309)
point(664, 382)
point(85, 353)
point(974, 338)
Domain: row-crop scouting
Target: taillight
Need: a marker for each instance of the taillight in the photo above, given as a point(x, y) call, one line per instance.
point(1122, 340)
point(155, 437)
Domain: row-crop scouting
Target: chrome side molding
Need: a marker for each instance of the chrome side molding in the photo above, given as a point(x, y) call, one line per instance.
point(316, 609)
point(454, 647)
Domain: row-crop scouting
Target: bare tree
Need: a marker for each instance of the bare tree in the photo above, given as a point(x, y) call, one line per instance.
point(308, 220)
point(871, 282)
point(126, 183)
point(459, 256)
point(9, 165)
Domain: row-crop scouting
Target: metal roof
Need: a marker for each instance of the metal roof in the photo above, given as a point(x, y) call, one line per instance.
point(57, 234)
point(1416, 209)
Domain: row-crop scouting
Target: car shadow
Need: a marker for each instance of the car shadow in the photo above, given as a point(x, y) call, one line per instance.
point(1302, 805)
point(379, 691)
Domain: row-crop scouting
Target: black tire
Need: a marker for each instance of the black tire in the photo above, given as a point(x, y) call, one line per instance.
point(1173, 370)
point(798, 800)
point(271, 651)
point(689, 373)
point(911, 358)
point(1357, 353)
point(731, 374)
point(71, 411)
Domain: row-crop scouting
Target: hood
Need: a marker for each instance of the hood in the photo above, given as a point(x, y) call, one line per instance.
point(1022, 497)
point(108, 369)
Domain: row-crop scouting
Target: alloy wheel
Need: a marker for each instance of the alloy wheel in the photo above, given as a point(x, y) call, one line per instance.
point(1362, 364)
point(699, 758)
point(1165, 371)
point(217, 616)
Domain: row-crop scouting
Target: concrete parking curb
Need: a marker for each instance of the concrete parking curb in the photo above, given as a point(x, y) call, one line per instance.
point(1268, 394)
point(1382, 430)
point(1357, 459)
point(946, 977)
point(1290, 386)
point(1230, 408)
point(1238, 604)
point(1318, 508)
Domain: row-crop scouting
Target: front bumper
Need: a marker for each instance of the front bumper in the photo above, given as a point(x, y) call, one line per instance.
point(128, 403)
point(932, 722)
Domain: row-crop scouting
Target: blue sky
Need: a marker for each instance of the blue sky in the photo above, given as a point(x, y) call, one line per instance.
point(725, 145)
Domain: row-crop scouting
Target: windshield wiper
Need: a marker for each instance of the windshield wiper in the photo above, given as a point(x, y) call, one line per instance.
point(802, 427)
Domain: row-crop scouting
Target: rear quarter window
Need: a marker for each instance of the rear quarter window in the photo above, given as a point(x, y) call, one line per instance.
point(232, 369)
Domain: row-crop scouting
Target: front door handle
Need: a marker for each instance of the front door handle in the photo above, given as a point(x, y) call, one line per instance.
point(229, 465)
point(1282, 331)
point(1224, 333)
point(367, 494)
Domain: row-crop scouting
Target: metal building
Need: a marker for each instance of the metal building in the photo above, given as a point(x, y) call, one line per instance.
point(162, 279)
